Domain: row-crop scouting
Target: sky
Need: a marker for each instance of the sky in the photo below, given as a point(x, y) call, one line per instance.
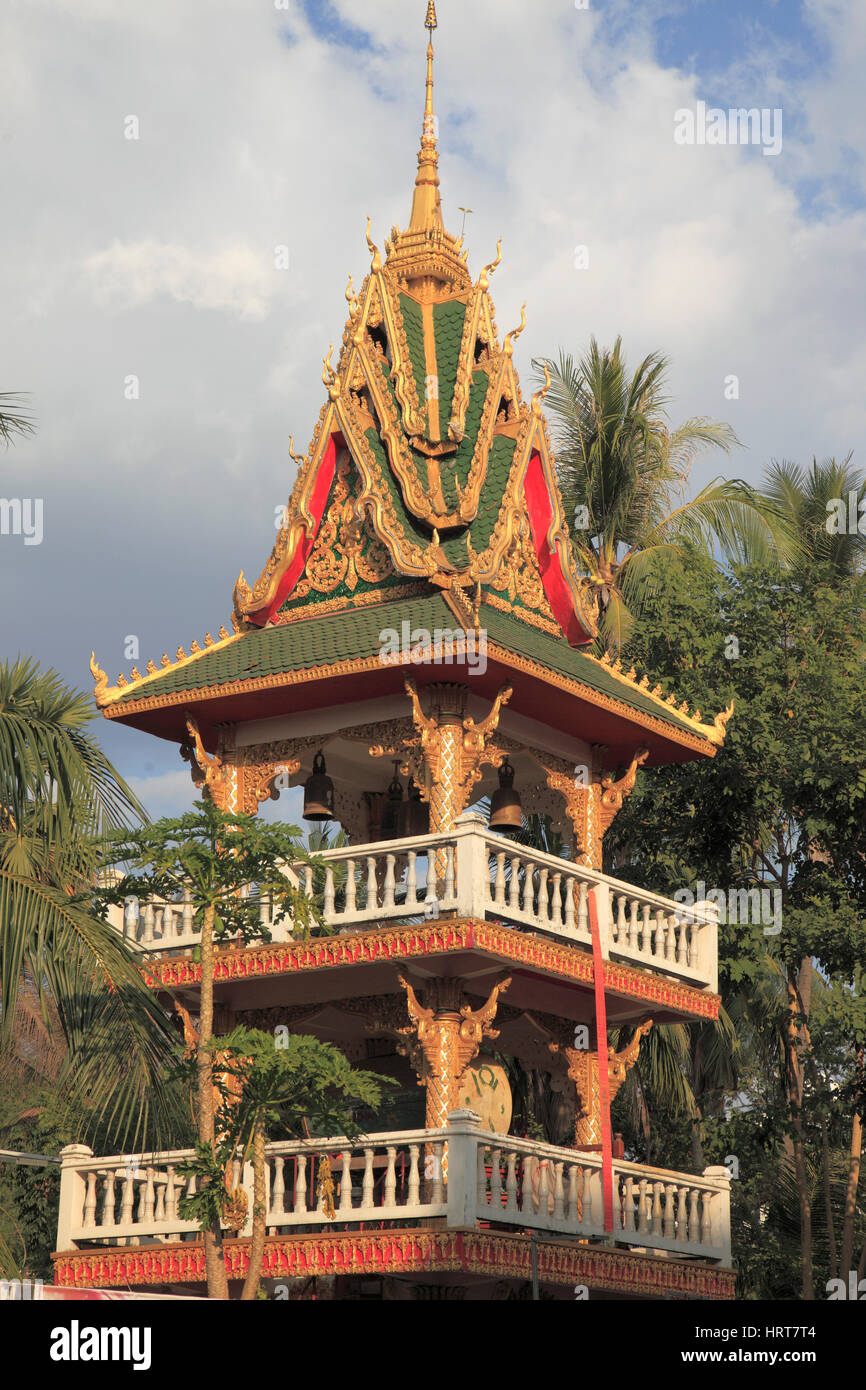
point(155, 156)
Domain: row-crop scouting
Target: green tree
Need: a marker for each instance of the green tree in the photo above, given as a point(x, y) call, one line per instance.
point(217, 858)
point(815, 503)
point(624, 473)
point(780, 808)
point(59, 798)
point(287, 1086)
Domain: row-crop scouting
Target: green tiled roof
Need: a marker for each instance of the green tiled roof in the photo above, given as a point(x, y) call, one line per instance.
point(353, 634)
point(555, 654)
point(448, 321)
point(295, 646)
point(413, 323)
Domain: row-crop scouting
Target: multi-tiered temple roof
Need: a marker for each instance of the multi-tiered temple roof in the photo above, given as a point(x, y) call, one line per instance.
point(428, 497)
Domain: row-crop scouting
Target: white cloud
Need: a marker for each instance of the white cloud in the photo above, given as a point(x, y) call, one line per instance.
point(155, 257)
point(236, 279)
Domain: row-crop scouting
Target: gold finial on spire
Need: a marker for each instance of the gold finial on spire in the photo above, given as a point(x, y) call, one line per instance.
point(426, 205)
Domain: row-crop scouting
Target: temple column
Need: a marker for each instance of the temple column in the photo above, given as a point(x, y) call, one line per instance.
point(584, 1073)
point(444, 1036)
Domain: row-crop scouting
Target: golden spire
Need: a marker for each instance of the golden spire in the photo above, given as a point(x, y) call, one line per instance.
point(426, 205)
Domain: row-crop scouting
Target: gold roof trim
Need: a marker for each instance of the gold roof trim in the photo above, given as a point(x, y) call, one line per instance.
point(105, 694)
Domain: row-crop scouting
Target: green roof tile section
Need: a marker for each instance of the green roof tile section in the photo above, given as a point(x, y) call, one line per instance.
point(349, 635)
point(413, 323)
point(448, 321)
point(555, 654)
point(356, 633)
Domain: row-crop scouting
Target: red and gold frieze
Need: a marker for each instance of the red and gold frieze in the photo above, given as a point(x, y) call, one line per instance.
point(477, 1254)
point(552, 958)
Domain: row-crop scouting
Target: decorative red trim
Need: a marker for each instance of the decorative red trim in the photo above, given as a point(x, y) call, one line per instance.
point(540, 509)
point(603, 1074)
point(420, 1250)
point(403, 943)
point(316, 507)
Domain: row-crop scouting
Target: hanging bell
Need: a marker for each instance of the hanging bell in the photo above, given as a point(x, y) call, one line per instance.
point(416, 814)
point(392, 812)
point(318, 793)
point(506, 813)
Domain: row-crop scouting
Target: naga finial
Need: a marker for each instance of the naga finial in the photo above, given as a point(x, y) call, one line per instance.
point(100, 677)
point(484, 278)
point(511, 338)
point(372, 247)
point(538, 398)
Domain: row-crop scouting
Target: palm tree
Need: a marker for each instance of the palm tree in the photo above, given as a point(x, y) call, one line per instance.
point(14, 420)
point(811, 500)
point(623, 474)
point(59, 794)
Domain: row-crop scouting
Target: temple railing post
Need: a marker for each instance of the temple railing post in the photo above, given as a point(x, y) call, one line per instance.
point(462, 1188)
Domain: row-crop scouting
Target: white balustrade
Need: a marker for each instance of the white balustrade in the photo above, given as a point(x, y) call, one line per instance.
point(473, 872)
point(380, 1179)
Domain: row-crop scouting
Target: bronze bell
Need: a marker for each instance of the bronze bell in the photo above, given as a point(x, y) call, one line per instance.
point(392, 812)
point(506, 813)
point(416, 814)
point(318, 793)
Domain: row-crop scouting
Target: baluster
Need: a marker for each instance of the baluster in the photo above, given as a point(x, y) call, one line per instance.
point(582, 908)
point(511, 1184)
point(301, 1186)
point(367, 1188)
point(108, 1199)
point(170, 1194)
point(388, 895)
point(572, 1196)
point(237, 1170)
point(691, 936)
point(130, 919)
point(682, 1216)
point(499, 881)
point(431, 894)
point(514, 885)
point(558, 1192)
point(682, 944)
point(449, 873)
point(668, 1223)
point(159, 1213)
point(481, 1174)
point(543, 1187)
point(438, 1189)
point(413, 1195)
point(372, 902)
point(632, 936)
point(391, 1177)
point(658, 1188)
point(127, 1200)
point(628, 1203)
point(264, 911)
point(645, 930)
point(351, 888)
point(619, 934)
point(90, 1201)
point(278, 1189)
point(694, 1236)
point(556, 900)
point(706, 1219)
point(412, 881)
point(187, 915)
point(328, 901)
point(660, 934)
point(308, 880)
point(543, 911)
point(148, 1191)
point(642, 1214)
point(670, 938)
point(529, 888)
point(147, 934)
point(346, 1181)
